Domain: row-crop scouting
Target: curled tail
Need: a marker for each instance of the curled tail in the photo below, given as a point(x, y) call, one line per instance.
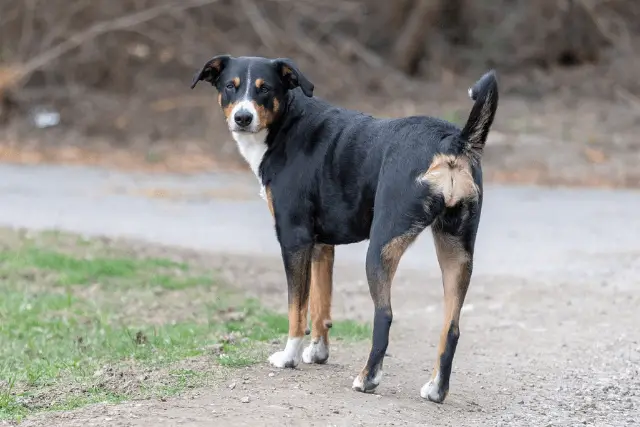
point(451, 173)
point(474, 134)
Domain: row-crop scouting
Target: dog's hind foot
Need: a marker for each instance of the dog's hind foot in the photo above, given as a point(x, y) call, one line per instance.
point(434, 391)
point(365, 383)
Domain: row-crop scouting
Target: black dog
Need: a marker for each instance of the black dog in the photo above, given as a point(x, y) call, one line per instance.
point(333, 176)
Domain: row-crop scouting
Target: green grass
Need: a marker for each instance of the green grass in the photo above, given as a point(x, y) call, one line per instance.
point(81, 322)
point(79, 270)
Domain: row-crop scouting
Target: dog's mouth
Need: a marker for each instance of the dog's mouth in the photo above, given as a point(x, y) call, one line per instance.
point(244, 130)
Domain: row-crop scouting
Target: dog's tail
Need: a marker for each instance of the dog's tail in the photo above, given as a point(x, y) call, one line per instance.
point(474, 134)
point(451, 173)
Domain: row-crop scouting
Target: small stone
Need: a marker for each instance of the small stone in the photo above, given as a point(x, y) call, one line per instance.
point(245, 399)
point(232, 386)
point(271, 374)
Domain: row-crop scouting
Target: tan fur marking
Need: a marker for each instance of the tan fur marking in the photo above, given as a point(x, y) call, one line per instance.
point(393, 251)
point(216, 64)
point(227, 110)
point(276, 106)
point(236, 81)
point(297, 318)
point(286, 70)
point(320, 292)
point(259, 83)
point(391, 254)
point(451, 176)
point(270, 202)
point(265, 115)
point(297, 306)
point(455, 265)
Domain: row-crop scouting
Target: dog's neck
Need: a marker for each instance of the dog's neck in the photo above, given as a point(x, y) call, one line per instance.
point(252, 146)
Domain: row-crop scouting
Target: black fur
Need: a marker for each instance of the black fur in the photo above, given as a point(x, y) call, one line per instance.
point(339, 176)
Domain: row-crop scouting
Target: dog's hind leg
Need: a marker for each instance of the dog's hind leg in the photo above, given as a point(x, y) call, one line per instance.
point(388, 243)
point(320, 304)
point(454, 242)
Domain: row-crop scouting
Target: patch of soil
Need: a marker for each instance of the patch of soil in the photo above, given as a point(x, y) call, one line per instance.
point(559, 361)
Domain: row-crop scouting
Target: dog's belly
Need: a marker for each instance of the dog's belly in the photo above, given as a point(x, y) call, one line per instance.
point(343, 228)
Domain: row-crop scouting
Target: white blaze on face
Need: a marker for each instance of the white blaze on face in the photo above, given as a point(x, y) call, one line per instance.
point(245, 105)
point(251, 142)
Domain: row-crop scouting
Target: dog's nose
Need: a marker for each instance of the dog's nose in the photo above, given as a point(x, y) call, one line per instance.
point(243, 118)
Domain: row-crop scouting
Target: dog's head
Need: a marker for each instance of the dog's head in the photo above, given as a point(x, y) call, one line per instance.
point(252, 91)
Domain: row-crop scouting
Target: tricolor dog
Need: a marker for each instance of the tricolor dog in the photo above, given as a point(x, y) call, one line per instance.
point(333, 176)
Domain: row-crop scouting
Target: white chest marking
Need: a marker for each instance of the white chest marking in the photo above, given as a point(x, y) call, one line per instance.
point(252, 146)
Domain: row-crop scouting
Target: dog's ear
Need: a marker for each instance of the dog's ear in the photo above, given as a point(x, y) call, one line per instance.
point(292, 77)
point(211, 70)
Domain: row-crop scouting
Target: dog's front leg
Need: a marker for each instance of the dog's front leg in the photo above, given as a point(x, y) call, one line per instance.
point(297, 263)
point(320, 304)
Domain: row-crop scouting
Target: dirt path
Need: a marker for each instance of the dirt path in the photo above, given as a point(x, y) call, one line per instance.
point(549, 333)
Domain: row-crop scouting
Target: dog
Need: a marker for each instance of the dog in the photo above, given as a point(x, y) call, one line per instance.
point(333, 176)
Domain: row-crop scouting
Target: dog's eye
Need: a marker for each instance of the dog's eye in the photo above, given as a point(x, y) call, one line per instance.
point(230, 85)
point(264, 89)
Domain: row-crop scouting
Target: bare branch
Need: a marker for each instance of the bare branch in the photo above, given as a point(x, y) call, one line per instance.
point(21, 71)
point(260, 24)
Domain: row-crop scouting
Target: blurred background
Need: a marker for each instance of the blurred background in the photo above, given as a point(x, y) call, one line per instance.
point(106, 82)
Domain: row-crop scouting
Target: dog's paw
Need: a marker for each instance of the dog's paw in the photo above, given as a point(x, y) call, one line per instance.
point(281, 359)
point(363, 384)
point(432, 391)
point(290, 356)
point(316, 352)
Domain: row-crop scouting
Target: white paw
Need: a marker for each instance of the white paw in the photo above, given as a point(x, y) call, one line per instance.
point(358, 384)
point(290, 356)
point(316, 352)
point(431, 390)
point(281, 359)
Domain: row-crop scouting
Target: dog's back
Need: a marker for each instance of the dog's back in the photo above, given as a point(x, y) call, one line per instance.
point(341, 161)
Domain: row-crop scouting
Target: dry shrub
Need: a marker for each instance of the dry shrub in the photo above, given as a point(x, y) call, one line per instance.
point(121, 68)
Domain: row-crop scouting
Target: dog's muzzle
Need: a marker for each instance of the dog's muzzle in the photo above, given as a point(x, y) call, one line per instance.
point(244, 118)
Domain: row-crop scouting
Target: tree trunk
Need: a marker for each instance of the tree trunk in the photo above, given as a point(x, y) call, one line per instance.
point(410, 44)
